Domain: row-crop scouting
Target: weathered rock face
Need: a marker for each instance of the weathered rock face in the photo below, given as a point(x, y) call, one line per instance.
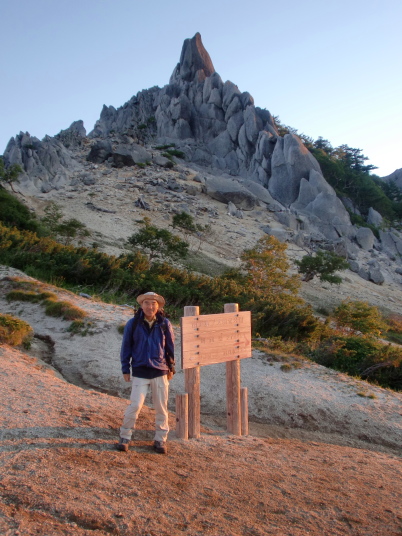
point(365, 238)
point(395, 177)
point(195, 63)
point(46, 164)
point(72, 136)
point(227, 191)
point(374, 217)
point(135, 118)
point(291, 162)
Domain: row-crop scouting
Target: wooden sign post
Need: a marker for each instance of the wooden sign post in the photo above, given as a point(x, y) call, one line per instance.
point(208, 339)
point(192, 386)
point(233, 386)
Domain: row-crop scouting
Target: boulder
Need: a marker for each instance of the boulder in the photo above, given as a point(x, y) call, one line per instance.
point(234, 211)
point(388, 243)
point(376, 276)
point(374, 217)
point(330, 210)
point(288, 220)
point(365, 238)
point(229, 92)
point(252, 123)
point(263, 195)
point(162, 161)
point(100, 152)
point(225, 190)
point(354, 266)
point(280, 234)
point(364, 274)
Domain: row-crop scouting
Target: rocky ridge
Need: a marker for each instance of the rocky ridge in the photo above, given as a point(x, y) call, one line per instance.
point(232, 153)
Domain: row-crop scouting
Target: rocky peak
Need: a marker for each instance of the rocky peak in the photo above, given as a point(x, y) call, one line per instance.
point(195, 63)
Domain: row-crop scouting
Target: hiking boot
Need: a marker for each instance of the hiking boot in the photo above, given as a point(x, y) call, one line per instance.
point(123, 444)
point(160, 446)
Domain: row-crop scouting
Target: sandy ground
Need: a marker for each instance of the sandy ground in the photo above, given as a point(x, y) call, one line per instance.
point(320, 458)
point(324, 451)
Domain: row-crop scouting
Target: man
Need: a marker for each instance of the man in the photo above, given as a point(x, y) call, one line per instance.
point(148, 348)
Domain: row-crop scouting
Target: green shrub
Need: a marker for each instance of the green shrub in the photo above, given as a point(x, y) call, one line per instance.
point(360, 316)
point(175, 152)
point(363, 357)
point(13, 213)
point(163, 147)
point(14, 331)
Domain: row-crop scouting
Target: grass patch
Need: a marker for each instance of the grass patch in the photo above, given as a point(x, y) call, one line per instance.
point(31, 292)
point(29, 296)
point(201, 263)
point(120, 328)
point(63, 309)
point(175, 152)
point(366, 395)
point(14, 331)
point(80, 327)
point(164, 147)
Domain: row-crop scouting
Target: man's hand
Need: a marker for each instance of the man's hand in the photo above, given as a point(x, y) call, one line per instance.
point(126, 377)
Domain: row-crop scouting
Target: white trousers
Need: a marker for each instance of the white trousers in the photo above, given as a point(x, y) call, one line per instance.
point(160, 392)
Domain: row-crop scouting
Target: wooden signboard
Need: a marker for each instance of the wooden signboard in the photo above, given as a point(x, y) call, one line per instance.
point(208, 339)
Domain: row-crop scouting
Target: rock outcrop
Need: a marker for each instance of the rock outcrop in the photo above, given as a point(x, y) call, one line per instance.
point(46, 164)
point(395, 177)
point(217, 128)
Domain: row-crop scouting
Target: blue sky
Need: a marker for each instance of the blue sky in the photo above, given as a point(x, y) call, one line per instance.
point(330, 69)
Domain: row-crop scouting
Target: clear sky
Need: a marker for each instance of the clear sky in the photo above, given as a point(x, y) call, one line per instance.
point(331, 69)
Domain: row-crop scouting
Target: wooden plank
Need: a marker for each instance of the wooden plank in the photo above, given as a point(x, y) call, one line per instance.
point(192, 387)
point(213, 338)
point(233, 382)
point(208, 339)
point(244, 410)
point(182, 416)
point(200, 360)
point(218, 322)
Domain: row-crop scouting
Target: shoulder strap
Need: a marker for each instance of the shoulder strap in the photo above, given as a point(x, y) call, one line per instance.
point(136, 320)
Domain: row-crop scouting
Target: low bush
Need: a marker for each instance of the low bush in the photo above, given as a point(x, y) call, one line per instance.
point(63, 309)
point(13, 213)
point(363, 357)
point(360, 316)
point(14, 331)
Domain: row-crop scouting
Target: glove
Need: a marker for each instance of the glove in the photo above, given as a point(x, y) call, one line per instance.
point(172, 371)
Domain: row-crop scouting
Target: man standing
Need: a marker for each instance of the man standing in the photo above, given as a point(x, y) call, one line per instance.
point(148, 348)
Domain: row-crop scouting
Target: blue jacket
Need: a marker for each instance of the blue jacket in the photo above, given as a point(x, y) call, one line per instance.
point(144, 347)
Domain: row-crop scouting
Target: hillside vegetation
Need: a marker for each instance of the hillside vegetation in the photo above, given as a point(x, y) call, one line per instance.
point(263, 285)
